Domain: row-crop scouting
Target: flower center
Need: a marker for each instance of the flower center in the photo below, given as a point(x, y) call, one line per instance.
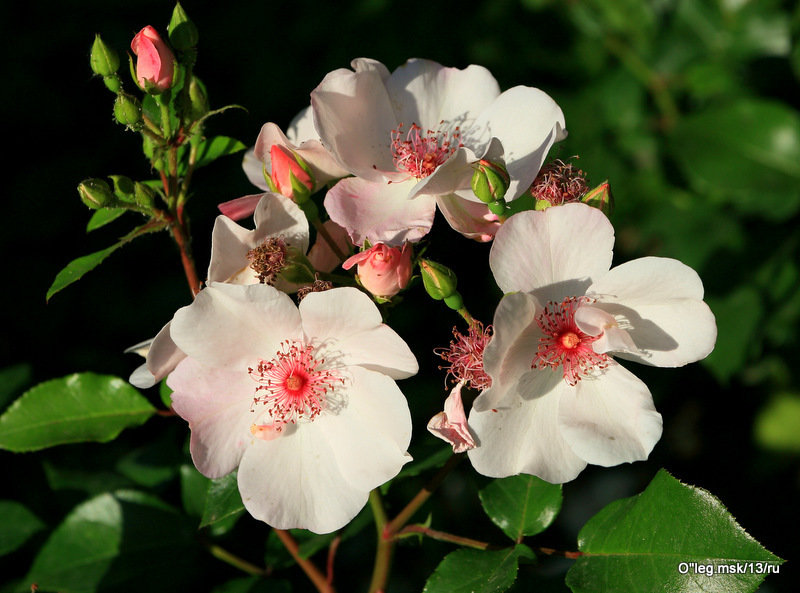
point(291, 388)
point(465, 356)
point(268, 259)
point(564, 344)
point(419, 153)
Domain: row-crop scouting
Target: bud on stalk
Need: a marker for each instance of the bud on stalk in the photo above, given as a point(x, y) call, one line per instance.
point(95, 193)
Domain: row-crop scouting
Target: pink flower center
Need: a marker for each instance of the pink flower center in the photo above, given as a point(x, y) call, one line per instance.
point(419, 153)
point(291, 387)
point(564, 344)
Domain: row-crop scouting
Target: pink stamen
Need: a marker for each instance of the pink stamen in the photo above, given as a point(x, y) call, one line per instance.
point(465, 356)
point(420, 154)
point(291, 387)
point(564, 344)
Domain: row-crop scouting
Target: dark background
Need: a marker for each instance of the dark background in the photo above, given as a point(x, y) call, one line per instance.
point(636, 80)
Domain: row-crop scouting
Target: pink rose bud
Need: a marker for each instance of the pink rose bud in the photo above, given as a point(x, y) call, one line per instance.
point(290, 176)
point(155, 63)
point(382, 270)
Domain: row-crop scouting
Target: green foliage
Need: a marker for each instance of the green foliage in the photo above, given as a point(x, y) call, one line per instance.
point(79, 407)
point(777, 426)
point(75, 269)
point(19, 524)
point(477, 571)
point(222, 500)
point(521, 505)
point(124, 540)
point(639, 544)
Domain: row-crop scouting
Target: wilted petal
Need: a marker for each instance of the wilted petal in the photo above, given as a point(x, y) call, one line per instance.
point(471, 219)
point(451, 424)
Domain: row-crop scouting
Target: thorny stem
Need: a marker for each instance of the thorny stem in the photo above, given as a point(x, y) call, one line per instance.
point(312, 572)
point(387, 532)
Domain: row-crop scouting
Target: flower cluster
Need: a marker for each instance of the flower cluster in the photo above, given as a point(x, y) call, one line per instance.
point(301, 397)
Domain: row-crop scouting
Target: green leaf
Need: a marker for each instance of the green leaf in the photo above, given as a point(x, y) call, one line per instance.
point(222, 501)
point(521, 505)
point(103, 216)
point(254, 585)
point(123, 541)
point(477, 571)
point(662, 540)
point(76, 408)
point(78, 267)
point(194, 489)
point(216, 147)
point(777, 425)
point(747, 153)
point(19, 524)
point(13, 380)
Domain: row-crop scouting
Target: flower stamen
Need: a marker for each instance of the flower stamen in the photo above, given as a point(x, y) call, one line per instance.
point(268, 259)
point(564, 344)
point(420, 154)
point(291, 387)
point(465, 355)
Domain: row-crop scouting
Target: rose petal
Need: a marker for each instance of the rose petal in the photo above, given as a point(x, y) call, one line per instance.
point(471, 219)
point(380, 212)
point(240, 207)
point(349, 330)
point(216, 403)
point(228, 324)
point(610, 418)
point(659, 303)
point(554, 253)
point(522, 435)
point(451, 424)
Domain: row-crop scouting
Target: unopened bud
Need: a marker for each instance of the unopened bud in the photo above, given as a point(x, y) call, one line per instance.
point(490, 181)
point(103, 60)
point(95, 193)
point(128, 110)
point(600, 197)
point(123, 187)
point(440, 281)
point(198, 99)
point(498, 208)
point(290, 176)
point(182, 31)
point(144, 195)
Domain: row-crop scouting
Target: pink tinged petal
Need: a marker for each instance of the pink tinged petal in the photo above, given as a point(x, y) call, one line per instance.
point(295, 482)
point(527, 121)
point(596, 322)
point(254, 169)
point(609, 419)
point(427, 93)
point(451, 424)
point(471, 219)
point(354, 116)
point(241, 207)
point(521, 435)
point(216, 403)
point(510, 353)
point(348, 328)
point(230, 326)
point(162, 357)
point(380, 212)
point(555, 253)
point(321, 255)
point(454, 175)
point(322, 164)
point(659, 302)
